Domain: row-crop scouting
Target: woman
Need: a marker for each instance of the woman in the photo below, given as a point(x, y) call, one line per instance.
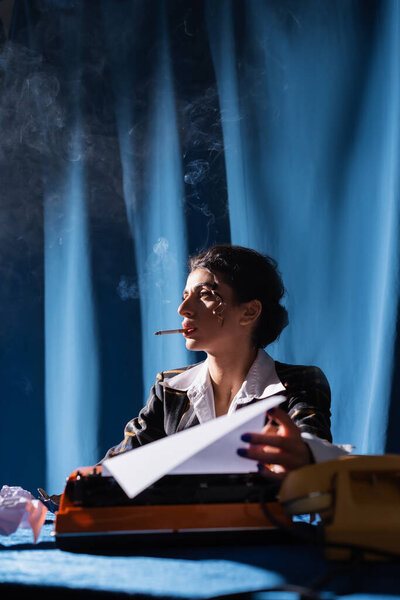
point(231, 310)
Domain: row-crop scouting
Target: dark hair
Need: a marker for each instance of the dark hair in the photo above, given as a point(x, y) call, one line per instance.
point(253, 276)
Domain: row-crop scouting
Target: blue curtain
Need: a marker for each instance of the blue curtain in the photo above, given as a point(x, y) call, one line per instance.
point(134, 134)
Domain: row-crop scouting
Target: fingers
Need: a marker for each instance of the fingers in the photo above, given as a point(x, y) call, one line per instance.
point(273, 440)
point(281, 446)
point(283, 435)
point(266, 455)
point(282, 418)
point(270, 475)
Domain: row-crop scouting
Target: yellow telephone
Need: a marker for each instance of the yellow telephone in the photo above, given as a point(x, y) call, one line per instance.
point(357, 498)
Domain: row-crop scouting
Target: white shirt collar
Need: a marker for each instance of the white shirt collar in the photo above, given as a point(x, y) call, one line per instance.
point(261, 382)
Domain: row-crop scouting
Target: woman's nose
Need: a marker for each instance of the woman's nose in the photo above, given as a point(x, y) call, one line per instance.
point(185, 309)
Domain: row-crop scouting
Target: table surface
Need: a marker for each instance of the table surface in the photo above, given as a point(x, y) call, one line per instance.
point(188, 572)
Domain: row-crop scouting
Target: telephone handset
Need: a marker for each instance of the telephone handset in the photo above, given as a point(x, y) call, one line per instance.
point(357, 498)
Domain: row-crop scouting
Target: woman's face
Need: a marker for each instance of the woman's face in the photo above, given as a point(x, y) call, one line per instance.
point(211, 317)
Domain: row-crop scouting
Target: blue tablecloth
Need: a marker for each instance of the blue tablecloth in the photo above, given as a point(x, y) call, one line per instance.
point(187, 573)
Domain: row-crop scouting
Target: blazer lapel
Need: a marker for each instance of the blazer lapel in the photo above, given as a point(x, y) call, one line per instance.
point(188, 417)
point(178, 411)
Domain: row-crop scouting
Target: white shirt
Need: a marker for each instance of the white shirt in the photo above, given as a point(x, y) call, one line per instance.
point(261, 382)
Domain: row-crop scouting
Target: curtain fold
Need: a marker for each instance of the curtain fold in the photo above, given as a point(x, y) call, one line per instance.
point(153, 190)
point(71, 344)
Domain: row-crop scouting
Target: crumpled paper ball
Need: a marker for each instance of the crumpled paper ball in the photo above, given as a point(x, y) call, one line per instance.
point(18, 508)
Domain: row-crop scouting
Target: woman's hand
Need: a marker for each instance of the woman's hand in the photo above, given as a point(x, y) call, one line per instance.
point(278, 448)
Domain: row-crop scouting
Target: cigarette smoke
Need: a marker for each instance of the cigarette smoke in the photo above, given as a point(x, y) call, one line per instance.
point(40, 103)
point(128, 288)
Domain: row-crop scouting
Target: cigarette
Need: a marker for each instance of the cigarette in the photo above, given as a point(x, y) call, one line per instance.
point(166, 331)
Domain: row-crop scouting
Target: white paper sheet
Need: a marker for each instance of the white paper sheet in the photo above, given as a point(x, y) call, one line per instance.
point(207, 448)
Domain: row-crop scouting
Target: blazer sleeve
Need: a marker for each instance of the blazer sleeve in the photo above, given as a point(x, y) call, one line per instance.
point(147, 427)
point(308, 398)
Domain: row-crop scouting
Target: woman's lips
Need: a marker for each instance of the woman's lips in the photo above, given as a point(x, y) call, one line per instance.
point(188, 331)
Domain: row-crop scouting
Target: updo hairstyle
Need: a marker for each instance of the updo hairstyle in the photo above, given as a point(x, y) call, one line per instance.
point(252, 276)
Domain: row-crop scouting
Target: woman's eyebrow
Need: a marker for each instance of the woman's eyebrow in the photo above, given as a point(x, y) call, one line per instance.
point(210, 284)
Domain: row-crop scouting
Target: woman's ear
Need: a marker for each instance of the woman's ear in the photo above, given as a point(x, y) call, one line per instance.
point(251, 312)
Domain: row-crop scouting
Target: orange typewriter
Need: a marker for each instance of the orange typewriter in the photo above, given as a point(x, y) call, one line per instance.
point(96, 516)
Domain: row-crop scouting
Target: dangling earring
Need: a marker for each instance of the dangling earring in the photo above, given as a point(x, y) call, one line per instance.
point(218, 312)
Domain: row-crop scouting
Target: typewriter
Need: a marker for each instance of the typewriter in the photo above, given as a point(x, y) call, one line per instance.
point(96, 516)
